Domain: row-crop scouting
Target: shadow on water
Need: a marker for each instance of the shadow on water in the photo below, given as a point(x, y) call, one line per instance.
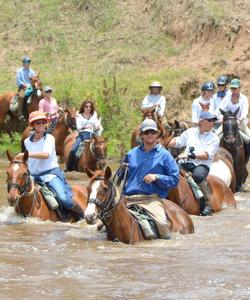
point(45, 260)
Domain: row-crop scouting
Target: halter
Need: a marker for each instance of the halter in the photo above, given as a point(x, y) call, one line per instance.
point(22, 189)
point(230, 131)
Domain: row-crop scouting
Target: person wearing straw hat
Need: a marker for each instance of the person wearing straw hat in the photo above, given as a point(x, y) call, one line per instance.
point(43, 164)
point(233, 101)
point(155, 98)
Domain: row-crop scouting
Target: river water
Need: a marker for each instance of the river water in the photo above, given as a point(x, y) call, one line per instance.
point(44, 260)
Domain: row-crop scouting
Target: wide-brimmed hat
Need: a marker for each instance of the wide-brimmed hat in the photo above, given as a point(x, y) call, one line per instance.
point(235, 83)
point(206, 115)
point(155, 84)
point(37, 115)
point(148, 124)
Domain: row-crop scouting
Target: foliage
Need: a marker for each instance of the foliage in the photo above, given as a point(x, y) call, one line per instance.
point(9, 143)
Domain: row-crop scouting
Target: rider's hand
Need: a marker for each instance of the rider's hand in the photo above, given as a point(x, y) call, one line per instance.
point(150, 178)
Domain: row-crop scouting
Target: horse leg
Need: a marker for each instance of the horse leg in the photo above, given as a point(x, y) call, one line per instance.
point(179, 219)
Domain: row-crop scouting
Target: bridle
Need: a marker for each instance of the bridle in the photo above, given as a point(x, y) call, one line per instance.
point(92, 148)
point(230, 131)
point(22, 189)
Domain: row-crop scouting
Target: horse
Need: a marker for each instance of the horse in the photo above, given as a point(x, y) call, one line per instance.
point(222, 167)
point(65, 125)
point(184, 196)
point(149, 113)
point(26, 198)
point(104, 202)
point(233, 142)
point(93, 156)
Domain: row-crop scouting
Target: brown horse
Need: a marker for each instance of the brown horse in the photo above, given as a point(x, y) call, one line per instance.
point(233, 142)
point(104, 202)
point(184, 196)
point(149, 113)
point(36, 94)
point(26, 198)
point(94, 155)
point(65, 125)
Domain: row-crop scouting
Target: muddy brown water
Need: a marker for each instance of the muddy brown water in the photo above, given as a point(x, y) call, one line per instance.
point(44, 260)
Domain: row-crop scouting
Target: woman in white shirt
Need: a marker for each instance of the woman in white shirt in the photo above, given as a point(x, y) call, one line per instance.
point(87, 124)
point(43, 164)
point(155, 99)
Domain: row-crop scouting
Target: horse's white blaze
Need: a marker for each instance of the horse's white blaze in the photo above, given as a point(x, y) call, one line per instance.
point(221, 170)
point(91, 208)
point(16, 167)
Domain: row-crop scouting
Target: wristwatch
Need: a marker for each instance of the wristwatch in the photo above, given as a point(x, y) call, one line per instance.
point(157, 177)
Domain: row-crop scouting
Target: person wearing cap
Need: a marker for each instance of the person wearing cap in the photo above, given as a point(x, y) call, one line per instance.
point(202, 103)
point(233, 101)
point(155, 99)
point(23, 81)
point(152, 172)
point(218, 97)
point(49, 105)
point(43, 164)
point(201, 144)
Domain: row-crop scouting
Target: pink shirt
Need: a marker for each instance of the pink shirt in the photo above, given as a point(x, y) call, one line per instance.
point(48, 106)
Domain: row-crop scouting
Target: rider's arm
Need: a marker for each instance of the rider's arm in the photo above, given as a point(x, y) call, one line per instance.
point(162, 106)
point(180, 141)
point(19, 79)
point(195, 113)
point(244, 108)
point(145, 103)
point(39, 155)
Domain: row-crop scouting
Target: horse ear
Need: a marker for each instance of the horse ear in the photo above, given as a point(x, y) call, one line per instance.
point(108, 173)
point(222, 111)
point(9, 155)
point(236, 112)
point(25, 155)
point(38, 74)
point(177, 124)
point(89, 173)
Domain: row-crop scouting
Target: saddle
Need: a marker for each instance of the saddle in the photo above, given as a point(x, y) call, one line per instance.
point(81, 148)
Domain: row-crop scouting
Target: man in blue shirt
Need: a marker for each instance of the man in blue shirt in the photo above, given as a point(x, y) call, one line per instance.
point(152, 172)
point(23, 81)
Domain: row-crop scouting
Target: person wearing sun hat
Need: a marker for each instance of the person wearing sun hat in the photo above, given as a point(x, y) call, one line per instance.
point(43, 164)
point(201, 144)
point(152, 172)
point(155, 98)
point(236, 101)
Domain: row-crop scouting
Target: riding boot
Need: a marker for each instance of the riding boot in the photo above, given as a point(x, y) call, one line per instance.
point(76, 209)
point(70, 165)
point(24, 110)
point(207, 210)
point(20, 107)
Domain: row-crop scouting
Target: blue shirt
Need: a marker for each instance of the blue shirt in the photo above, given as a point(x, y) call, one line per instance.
point(23, 76)
point(157, 161)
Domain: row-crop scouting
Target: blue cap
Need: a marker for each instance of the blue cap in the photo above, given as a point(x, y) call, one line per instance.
point(26, 60)
point(206, 115)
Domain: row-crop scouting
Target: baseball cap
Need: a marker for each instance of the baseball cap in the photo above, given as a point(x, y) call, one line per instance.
point(148, 124)
point(235, 83)
point(206, 115)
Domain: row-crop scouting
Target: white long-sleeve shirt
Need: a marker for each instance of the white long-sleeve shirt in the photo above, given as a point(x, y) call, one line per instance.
point(202, 142)
point(89, 125)
point(151, 100)
point(216, 102)
point(228, 105)
point(197, 108)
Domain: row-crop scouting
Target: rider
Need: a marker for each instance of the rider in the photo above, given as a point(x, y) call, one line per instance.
point(232, 102)
point(87, 124)
point(204, 144)
point(218, 97)
point(155, 98)
point(202, 103)
point(23, 76)
point(152, 172)
point(49, 105)
point(43, 165)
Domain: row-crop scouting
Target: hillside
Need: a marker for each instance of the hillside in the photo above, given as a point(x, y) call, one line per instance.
point(110, 50)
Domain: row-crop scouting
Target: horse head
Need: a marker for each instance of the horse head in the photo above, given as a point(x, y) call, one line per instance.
point(36, 85)
point(18, 177)
point(150, 113)
point(70, 117)
point(98, 149)
point(101, 195)
point(230, 126)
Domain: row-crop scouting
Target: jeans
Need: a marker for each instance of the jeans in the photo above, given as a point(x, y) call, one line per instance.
point(58, 186)
point(82, 136)
point(199, 172)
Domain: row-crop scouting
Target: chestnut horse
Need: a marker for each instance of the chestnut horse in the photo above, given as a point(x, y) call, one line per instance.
point(149, 113)
point(233, 142)
point(65, 125)
point(184, 197)
point(120, 224)
point(94, 155)
point(26, 198)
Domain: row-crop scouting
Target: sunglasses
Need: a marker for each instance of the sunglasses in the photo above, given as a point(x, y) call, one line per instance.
point(210, 120)
point(233, 88)
point(47, 92)
point(147, 132)
point(221, 85)
point(40, 122)
point(88, 106)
